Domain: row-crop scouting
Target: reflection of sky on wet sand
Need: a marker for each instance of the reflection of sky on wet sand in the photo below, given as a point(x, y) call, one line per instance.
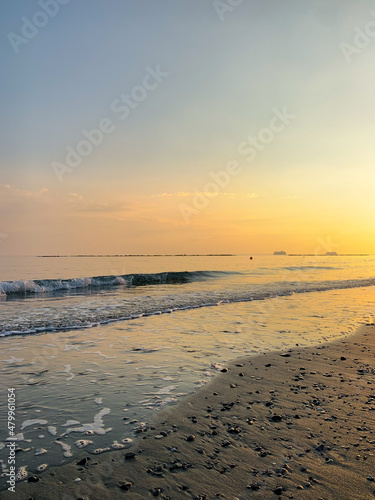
point(98, 385)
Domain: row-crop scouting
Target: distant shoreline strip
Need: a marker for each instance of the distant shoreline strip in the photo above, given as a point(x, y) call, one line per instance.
point(144, 255)
point(201, 255)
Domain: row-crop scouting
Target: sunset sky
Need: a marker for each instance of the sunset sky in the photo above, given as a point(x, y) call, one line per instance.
point(180, 86)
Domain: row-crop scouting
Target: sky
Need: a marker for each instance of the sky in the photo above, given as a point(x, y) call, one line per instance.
point(187, 126)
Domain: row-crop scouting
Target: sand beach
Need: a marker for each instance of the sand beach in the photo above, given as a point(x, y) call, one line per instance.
point(295, 424)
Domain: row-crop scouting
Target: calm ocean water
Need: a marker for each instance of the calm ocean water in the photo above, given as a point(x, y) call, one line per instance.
point(95, 345)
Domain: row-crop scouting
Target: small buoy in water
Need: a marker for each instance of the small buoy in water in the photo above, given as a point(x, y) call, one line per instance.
point(251, 258)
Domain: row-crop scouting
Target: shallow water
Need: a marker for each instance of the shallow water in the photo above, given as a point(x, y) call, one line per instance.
point(62, 294)
point(111, 378)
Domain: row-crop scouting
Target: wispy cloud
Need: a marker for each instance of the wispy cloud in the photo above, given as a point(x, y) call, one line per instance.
point(12, 192)
point(75, 196)
point(108, 208)
point(80, 205)
point(183, 194)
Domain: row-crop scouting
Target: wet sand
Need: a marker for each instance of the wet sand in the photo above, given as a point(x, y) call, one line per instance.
point(287, 424)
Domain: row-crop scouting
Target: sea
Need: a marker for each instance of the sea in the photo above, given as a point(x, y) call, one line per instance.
point(94, 346)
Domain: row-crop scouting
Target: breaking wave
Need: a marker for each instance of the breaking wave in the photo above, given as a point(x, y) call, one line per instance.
point(25, 287)
point(108, 309)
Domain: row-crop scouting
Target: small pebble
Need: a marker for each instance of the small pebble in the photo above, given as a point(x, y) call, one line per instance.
point(276, 418)
point(84, 461)
point(126, 486)
point(33, 479)
point(253, 486)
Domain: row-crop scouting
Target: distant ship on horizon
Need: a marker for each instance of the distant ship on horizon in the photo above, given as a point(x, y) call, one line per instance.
point(282, 252)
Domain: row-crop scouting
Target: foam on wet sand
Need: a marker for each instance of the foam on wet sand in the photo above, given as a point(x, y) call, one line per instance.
point(297, 424)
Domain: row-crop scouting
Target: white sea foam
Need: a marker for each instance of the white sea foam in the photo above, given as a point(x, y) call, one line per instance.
point(99, 354)
point(28, 423)
point(118, 446)
point(68, 370)
point(166, 390)
point(165, 401)
point(67, 449)
point(82, 443)
point(70, 347)
point(69, 423)
point(101, 450)
point(97, 426)
point(21, 473)
point(12, 360)
point(40, 451)
point(19, 437)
